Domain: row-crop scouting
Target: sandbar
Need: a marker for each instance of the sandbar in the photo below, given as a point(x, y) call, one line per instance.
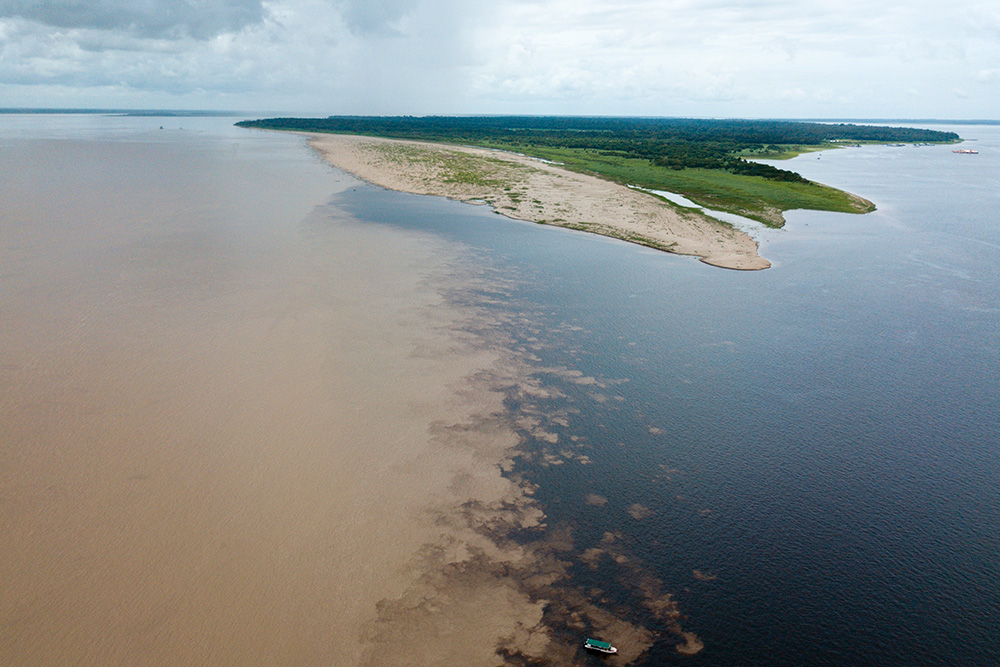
point(526, 188)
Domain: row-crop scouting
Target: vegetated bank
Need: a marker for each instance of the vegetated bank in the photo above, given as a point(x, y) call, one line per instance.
point(703, 159)
point(523, 188)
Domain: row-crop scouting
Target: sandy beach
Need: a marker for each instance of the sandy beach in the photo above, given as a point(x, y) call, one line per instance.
point(529, 189)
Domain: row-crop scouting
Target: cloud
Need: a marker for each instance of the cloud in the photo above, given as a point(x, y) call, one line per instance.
point(299, 56)
point(646, 57)
point(200, 19)
point(368, 17)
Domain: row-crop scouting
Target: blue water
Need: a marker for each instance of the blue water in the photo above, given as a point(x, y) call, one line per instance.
point(822, 437)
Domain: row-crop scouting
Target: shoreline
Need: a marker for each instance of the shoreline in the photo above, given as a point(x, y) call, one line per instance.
point(524, 188)
point(283, 450)
point(293, 449)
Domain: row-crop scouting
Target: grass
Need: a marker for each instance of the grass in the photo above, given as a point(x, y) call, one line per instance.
point(788, 151)
point(455, 166)
point(606, 153)
point(499, 176)
point(753, 197)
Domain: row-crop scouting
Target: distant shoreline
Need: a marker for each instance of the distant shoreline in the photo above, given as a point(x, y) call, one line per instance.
point(528, 189)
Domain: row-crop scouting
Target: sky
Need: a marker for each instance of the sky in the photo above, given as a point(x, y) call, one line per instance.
point(705, 58)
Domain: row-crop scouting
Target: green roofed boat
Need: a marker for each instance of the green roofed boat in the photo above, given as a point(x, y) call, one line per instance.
point(595, 645)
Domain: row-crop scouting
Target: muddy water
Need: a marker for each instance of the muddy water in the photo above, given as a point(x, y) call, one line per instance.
point(234, 420)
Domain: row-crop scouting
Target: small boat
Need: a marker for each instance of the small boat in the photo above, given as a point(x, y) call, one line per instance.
point(967, 151)
point(595, 645)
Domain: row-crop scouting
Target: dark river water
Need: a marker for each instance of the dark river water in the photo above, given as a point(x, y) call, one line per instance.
point(812, 451)
point(807, 457)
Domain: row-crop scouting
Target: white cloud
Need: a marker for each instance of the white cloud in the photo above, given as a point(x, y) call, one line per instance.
point(666, 57)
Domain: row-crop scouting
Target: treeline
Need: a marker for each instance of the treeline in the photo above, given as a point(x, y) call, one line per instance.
point(674, 143)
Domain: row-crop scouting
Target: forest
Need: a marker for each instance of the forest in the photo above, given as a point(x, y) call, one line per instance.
point(705, 160)
point(674, 143)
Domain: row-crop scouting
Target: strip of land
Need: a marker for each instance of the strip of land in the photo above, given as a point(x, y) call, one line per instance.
point(714, 163)
point(525, 188)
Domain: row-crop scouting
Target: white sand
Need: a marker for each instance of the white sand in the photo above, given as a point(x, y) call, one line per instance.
point(528, 189)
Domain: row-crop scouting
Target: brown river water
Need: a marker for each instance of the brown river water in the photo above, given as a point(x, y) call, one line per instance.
point(237, 427)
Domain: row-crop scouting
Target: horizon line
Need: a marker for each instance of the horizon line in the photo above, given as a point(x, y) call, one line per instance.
point(220, 113)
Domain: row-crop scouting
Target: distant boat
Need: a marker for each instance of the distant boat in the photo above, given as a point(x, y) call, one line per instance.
point(967, 151)
point(595, 645)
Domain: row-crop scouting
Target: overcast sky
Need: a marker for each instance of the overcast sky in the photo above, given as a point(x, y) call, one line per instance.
point(719, 58)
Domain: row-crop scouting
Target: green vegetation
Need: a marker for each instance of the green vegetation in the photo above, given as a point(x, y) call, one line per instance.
point(452, 166)
point(753, 197)
point(704, 160)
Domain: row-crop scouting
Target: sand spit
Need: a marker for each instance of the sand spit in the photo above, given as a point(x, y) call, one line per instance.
point(528, 189)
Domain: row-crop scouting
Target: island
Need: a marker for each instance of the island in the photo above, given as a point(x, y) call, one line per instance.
point(601, 174)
